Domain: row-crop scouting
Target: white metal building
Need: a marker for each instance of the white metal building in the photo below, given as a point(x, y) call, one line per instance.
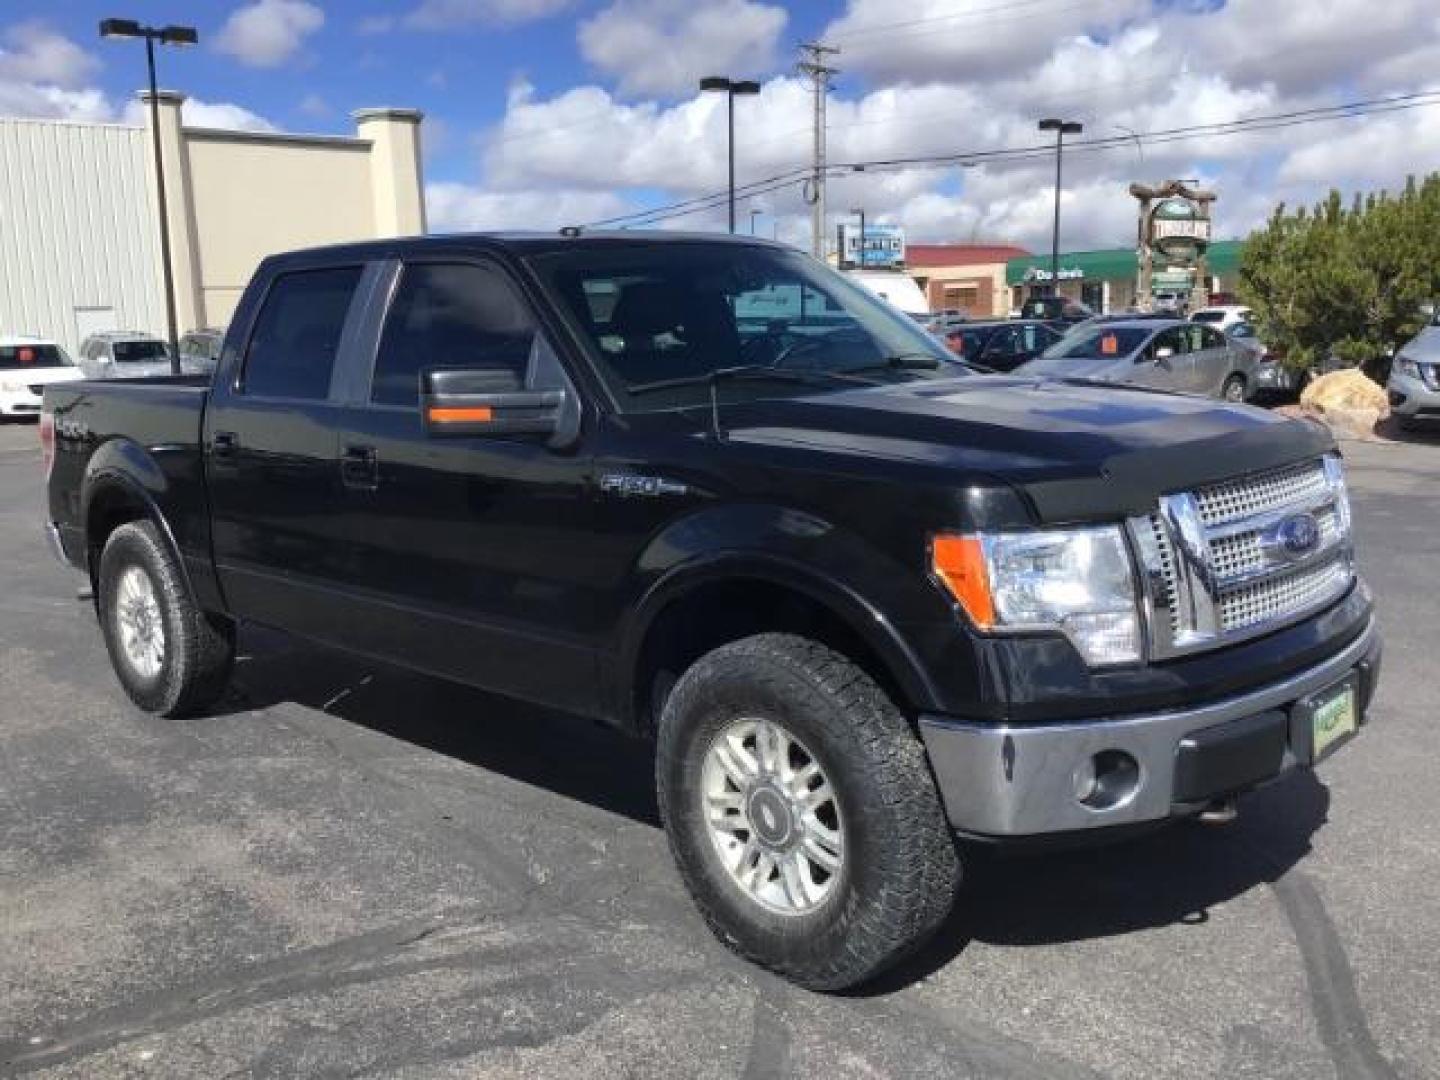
point(79, 225)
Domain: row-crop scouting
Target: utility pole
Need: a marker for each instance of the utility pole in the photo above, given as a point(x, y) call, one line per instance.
point(814, 65)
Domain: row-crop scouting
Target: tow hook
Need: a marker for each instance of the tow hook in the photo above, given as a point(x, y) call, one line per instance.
point(1219, 812)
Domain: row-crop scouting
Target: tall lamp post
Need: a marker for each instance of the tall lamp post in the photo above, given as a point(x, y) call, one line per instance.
point(166, 35)
point(730, 88)
point(1061, 129)
point(859, 211)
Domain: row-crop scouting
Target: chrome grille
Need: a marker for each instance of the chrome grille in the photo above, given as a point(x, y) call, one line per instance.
point(1292, 485)
point(1276, 597)
point(1219, 564)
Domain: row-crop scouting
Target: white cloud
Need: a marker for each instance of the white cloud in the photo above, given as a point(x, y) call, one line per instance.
point(945, 86)
point(665, 46)
point(33, 53)
point(447, 14)
point(204, 114)
point(462, 208)
point(269, 32)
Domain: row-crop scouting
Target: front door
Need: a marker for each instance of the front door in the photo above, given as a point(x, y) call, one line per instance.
point(1213, 363)
point(466, 556)
point(1165, 362)
point(270, 452)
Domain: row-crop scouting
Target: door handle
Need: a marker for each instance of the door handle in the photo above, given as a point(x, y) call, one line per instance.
point(360, 468)
point(224, 444)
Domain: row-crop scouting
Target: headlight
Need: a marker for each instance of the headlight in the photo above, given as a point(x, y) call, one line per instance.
point(1335, 477)
point(1076, 581)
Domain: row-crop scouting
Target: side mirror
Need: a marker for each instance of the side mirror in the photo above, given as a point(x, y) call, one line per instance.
point(494, 401)
point(1163, 353)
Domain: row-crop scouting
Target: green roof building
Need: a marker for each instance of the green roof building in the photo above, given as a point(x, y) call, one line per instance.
point(1105, 280)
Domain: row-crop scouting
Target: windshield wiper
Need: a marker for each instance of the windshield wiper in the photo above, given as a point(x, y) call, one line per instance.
point(907, 361)
point(751, 371)
point(715, 377)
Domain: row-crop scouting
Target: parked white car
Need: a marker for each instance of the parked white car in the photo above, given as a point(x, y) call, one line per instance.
point(1222, 316)
point(27, 365)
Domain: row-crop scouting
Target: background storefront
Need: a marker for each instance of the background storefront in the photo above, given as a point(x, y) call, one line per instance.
point(1106, 280)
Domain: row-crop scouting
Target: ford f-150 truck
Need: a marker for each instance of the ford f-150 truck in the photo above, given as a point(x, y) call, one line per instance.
point(864, 600)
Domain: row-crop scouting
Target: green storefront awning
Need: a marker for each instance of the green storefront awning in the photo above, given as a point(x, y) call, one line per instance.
point(1117, 264)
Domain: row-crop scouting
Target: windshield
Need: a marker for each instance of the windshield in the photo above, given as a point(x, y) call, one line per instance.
point(137, 352)
point(13, 357)
point(665, 316)
point(1100, 341)
point(1208, 316)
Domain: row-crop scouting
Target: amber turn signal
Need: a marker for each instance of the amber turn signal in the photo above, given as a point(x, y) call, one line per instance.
point(959, 562)
point(451, 414)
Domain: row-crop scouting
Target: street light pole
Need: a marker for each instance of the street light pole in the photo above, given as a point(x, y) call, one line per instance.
point(730, 88)
point(1061, 129)
point(169, 35)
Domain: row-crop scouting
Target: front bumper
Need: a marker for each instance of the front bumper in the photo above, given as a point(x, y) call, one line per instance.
point(1001, 780)
point(1411, 398)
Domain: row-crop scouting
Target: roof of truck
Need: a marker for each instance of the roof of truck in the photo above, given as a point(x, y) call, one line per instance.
point(529, 243)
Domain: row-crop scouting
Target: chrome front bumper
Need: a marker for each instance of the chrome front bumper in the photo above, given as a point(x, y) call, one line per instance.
point(1013, 781)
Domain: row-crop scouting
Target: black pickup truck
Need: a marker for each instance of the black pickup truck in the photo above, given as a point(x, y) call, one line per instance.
point(863, 599)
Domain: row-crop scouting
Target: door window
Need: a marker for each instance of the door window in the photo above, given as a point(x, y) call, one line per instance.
point(1172, 339)
point(1211, 338)
point(450, 315)
point(297, 334)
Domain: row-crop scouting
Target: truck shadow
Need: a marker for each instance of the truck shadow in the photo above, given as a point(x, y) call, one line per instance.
point(568, 755)
point(1012, 897)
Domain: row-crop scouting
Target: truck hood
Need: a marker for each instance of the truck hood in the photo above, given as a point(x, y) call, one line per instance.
point(1077, 450)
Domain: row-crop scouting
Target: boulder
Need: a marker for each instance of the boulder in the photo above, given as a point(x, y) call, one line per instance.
point(1349, 402)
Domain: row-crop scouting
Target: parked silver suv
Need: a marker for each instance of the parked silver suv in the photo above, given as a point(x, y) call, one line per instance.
point(123, 354)
point(1166, 354)
point(1414, 385)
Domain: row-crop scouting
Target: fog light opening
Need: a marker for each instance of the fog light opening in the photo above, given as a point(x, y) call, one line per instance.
point(1107, 780)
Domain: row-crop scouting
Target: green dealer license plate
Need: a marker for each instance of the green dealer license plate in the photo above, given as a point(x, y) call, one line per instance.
point(1333, 718)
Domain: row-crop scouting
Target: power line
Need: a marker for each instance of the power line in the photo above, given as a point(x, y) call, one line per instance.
point(1017, 155)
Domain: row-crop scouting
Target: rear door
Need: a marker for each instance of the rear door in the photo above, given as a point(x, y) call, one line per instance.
point(1212, 360)
point(465, 555)
point(271, 450)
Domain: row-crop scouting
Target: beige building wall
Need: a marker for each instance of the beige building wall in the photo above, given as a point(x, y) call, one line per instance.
point(979, 288)
point(235, 197)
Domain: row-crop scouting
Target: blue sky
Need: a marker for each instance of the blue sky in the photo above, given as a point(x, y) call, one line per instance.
point(545, 112)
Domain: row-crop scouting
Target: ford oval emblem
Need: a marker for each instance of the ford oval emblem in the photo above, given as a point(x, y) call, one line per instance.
point(1298, 535)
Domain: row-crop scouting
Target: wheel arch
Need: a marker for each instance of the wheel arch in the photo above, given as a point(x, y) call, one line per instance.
point(113, 498)
point(711, 601)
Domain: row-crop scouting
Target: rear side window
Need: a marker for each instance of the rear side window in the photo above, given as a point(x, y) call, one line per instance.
point(297, 333)
point(450, 315)
point(31, 356)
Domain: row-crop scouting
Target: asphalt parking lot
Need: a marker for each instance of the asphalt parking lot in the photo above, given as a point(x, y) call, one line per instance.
point(355, 871)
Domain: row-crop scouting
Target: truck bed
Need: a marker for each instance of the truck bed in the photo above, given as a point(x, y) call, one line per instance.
point(149, 429)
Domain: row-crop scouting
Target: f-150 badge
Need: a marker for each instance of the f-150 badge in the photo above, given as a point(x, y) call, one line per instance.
point(627, 484)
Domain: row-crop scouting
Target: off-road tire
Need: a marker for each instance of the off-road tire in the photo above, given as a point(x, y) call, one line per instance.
point(199, 649)
point(901, 870)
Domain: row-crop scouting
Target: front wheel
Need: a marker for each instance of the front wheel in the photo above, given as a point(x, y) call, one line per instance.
point(801, 812)
point(1234, 389)
point(171, 657)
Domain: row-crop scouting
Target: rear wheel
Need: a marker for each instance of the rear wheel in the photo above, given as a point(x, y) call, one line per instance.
point(171, 657)
point(1234, 389)
point(801, 811)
